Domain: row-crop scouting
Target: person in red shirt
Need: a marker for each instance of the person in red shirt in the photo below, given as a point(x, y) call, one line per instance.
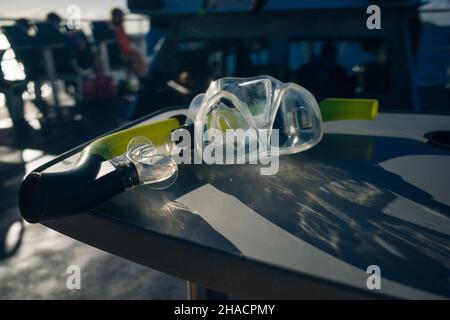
point(136, 60)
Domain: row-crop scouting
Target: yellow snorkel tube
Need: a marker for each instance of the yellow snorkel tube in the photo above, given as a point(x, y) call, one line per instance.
point(348, 109)
point(116, 144)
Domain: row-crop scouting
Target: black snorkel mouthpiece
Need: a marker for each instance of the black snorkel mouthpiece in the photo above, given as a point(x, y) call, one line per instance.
point(47, 196)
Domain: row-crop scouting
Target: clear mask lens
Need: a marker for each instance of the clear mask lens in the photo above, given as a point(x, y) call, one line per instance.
point(259, 103)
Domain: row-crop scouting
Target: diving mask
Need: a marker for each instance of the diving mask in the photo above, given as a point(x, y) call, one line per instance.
point(258, 103)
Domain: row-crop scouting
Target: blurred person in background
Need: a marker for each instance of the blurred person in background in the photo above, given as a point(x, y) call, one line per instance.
point(134, 58)
point(55, 21)
point(23, 25)
point(75, 39)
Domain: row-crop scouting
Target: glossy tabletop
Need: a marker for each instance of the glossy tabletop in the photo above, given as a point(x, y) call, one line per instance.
point(370, 193)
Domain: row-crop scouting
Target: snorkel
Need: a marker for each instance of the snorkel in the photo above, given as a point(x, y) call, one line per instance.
point(106, 167)
point(141, 155)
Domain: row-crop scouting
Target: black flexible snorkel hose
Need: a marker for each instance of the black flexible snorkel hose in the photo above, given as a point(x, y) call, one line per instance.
point(101, 173)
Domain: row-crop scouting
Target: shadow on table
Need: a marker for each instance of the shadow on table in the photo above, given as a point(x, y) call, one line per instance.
point(338, 198)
